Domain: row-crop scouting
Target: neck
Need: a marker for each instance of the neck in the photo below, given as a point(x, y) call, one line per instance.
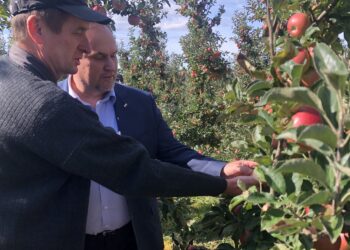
point(33, 50)
point(28, 57)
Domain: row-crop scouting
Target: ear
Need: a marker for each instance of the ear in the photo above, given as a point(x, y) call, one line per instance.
point(34, 29)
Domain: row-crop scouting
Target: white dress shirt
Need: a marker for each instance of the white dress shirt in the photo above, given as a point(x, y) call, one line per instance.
point(107, 210)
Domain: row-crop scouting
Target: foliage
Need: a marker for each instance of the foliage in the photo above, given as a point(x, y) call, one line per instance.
point(305, 167)
point(4, 15)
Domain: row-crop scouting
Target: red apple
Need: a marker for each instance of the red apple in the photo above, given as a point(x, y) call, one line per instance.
point(310, 78)
point(244, 237)
point(324, 243)
point(307, 210)
point(297, 24)
point(344, 242)
point(134, 20)
point(311, 50)
point(268, 108)
point(302, 57)
point(306, 116)
point(216, 54)
point(194, 74)
point(237, 209)
point(100, 9)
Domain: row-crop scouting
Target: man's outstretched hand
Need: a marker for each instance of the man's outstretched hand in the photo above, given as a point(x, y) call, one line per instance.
point(238, 168)
point(232, 187)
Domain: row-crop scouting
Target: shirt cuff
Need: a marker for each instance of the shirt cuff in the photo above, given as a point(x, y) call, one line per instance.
point(209, 167)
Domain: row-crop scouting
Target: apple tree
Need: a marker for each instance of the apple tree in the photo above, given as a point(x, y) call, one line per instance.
point(302, 130)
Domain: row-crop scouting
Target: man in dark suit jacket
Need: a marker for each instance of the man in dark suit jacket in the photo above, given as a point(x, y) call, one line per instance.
point(131, 112)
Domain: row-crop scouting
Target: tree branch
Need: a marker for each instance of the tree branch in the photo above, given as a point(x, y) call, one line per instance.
point(327, 10)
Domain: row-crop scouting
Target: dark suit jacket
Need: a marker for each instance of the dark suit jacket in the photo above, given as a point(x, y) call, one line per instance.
point(138, 116)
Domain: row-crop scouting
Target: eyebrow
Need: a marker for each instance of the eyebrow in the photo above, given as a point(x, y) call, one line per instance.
point(98, 53)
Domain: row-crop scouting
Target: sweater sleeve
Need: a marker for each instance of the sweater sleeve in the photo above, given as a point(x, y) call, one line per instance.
point(79, 144)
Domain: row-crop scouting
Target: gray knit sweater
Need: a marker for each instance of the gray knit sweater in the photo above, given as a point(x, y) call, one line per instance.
point(51, 146)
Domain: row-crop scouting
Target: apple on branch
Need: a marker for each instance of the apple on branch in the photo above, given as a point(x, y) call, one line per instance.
point(297, 24)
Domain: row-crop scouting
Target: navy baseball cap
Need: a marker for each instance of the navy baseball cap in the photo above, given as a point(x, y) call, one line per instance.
point(77, 8)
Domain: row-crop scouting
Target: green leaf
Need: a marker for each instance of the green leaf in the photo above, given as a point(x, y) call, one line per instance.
point(333, 225)
point(258, 85)
point(291, 133)
point(319, 132)
point(344, 170)
point(274, 179)
point(329, 99)
point(308, 33)
point(305, 167)
point(266, 117)
point(294, 70)
point(258, 74)
point(271, 218)
point(345, 198)
point(330, 67)
point(288, 226)
point(279, 4)
point(299, 95)
point(345, 159)
point(260, 198)
point(284, 54)
point(298, 182)
point(321, 197)
point(294, 133)
point(318, 146)
point(236, 201)
point(225, 246)
point(263, 160)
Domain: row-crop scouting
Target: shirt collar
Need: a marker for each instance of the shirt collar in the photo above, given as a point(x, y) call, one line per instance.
point(110, 96)
point(31, 63)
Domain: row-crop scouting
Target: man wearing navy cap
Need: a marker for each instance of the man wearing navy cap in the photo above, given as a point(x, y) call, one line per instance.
point(51, 145)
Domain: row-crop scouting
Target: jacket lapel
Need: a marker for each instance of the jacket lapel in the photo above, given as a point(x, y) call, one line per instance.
point(120, 109)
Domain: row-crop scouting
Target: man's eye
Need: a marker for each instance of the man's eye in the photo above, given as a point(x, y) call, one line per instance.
point(78, 32)
point(99, 57)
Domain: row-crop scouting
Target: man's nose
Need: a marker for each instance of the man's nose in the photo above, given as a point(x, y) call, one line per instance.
point(84, 45)
point(111, 64)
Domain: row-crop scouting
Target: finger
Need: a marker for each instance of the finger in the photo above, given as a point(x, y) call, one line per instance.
point(234, 169)
point(232, 184)
point(241, 171)
point(248, 182)
point(247, 163)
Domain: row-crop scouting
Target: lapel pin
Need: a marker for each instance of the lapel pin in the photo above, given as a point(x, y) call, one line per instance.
point(125, 105)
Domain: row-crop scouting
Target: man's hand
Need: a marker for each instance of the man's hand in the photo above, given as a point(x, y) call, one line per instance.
point(238, 168)
point(232, 184)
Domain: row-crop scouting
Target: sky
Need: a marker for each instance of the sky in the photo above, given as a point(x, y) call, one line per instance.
point(175, 26)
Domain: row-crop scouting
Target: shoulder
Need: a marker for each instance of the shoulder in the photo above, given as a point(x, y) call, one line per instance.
point(4, 63)
point(131, 92)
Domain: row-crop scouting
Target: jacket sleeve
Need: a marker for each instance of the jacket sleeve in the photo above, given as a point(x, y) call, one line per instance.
point(80, 145)
point(169, 149)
